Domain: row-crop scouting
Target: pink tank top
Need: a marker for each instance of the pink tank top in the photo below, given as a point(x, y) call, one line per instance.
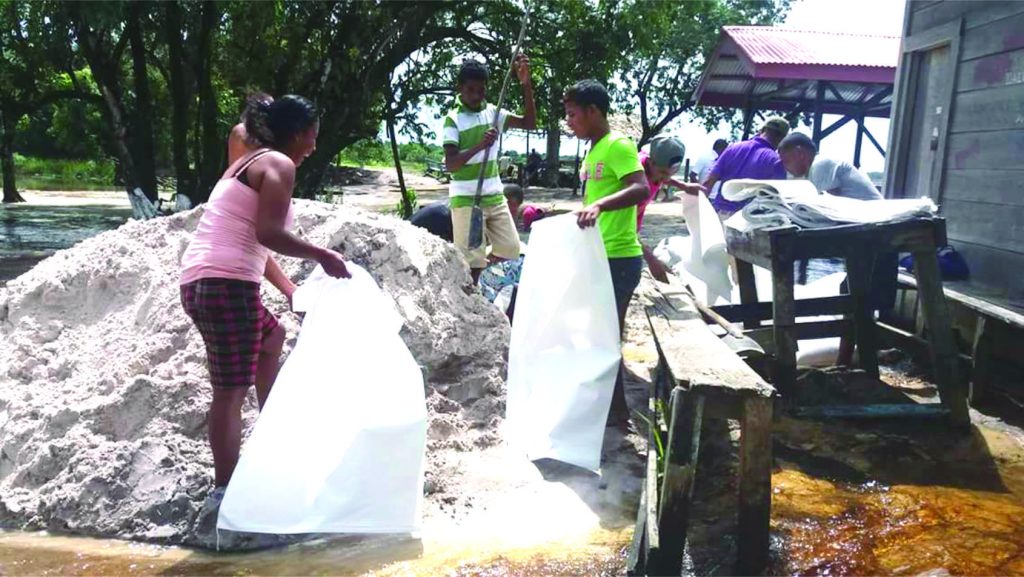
point(224, 244)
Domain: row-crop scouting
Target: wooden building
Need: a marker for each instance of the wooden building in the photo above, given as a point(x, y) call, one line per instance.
point(957, 134)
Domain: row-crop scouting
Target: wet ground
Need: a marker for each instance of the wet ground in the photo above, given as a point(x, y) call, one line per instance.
point(849, 498)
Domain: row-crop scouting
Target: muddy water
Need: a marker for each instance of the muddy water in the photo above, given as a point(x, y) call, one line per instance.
point(40, 554)
point(848, 500)
point(852, 502)
point(32, 231)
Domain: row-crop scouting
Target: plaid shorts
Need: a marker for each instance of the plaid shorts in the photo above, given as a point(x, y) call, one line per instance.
point(234, 323)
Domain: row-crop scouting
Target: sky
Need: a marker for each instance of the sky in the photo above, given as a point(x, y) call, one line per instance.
point(857, 16)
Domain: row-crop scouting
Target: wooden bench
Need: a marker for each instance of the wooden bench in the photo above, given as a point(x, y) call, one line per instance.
point(703, 379)
point(438, 170)
point(994, 323)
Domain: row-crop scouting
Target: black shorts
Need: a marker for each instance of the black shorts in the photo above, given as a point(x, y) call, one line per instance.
point(625, 278)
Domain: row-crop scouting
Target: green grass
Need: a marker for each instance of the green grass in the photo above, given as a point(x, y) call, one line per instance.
point(63, 174)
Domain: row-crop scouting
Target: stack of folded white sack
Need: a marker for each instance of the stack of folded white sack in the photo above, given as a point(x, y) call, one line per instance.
point(798, 202)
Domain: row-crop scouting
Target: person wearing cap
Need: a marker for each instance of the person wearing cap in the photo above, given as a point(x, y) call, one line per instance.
point(754, 158)
point(800, 157)
point(664, 161)
point(524, 215)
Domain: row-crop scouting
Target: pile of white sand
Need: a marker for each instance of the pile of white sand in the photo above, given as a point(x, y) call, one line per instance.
point(104, 390)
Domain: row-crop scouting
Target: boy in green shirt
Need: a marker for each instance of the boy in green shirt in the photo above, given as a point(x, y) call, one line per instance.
point(468, 132)
point(613, 185)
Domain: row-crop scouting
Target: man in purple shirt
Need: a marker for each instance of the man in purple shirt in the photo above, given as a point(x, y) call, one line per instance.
point(754, 158)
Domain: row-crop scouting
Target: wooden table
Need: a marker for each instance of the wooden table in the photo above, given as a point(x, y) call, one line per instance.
point(777, 249)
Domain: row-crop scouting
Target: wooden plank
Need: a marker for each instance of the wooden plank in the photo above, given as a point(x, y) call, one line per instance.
point(636, 557)
point(748, 288)
point(945, 362)
point(695, 357)
point(804, 331)
point(681, 454)
point(997, 36)
point(891, 411)
point(985, 307)
point(981, 355)
point(784, 313)
point(989, 185)
point(652, 538)
point(974, 13)
point(996, 70)
point(994, 225)
point(991, 272)
point(915, 346)
point(804, 308)
point(1000, 108)
point(986, 150)
point(755, 486)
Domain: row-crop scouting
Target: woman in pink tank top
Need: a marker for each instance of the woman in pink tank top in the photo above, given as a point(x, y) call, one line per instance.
point(248, 216)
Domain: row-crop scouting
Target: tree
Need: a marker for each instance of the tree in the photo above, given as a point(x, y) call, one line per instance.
point(29, 45)
point(669, 45)
point(568, 41)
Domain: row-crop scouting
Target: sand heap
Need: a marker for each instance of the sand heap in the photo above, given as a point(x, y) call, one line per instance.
point(104, 390)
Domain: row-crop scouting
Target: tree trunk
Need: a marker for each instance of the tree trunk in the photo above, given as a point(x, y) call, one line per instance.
point(179, 100)
point(554, 138)
point(7, 157)
point(105, 74)
point(142, 148)
point(212, 145)
point(407, 200)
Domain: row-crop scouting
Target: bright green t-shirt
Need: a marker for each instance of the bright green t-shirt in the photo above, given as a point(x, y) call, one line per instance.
point(609, 161)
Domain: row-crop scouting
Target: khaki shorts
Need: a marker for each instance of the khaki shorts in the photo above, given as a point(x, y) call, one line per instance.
point(499, 232)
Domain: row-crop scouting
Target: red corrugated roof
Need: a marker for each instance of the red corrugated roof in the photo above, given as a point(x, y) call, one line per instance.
point(779, 45)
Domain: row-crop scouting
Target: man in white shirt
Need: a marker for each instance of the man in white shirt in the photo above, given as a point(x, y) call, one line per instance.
point(799, 156)
point(702, 168)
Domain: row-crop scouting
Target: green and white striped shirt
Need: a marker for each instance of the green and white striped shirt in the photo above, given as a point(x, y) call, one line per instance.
point(465, 128)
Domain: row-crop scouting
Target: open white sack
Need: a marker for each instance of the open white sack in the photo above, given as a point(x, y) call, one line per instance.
point(709, 258)
point(564, 353)
point(339, 446)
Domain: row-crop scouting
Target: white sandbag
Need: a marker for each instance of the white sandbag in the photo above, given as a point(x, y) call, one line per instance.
point(564, 352)
point(339, 446)
point(797, 202)
point(709, 257)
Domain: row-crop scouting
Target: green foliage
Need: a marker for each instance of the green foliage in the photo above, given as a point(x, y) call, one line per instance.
point(66, 172)
point(658, 424)
point(669, 44)
point(414, 204)
point(69, 76)
point(373, 152)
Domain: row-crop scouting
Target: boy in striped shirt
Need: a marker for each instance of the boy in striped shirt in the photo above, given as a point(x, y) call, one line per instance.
point(468, 133)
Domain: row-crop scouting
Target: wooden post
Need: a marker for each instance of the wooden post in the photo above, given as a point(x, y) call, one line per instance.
point(945, 361)
point(860, 140)
point(748, 288)
point(748, 121)
point(784, 312)
point(981, 359)
point(755, 485)
point(819, 99)
point(859, 269)
point(681, 454)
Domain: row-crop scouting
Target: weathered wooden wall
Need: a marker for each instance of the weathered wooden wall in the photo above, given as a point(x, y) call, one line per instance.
point(982, 192)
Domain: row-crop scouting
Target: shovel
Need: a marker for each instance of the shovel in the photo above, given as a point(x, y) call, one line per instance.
point(476, 217)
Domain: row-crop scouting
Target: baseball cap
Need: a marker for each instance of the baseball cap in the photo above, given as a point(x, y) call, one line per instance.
point(667, 152)
point(776, 124)
point(797, 140)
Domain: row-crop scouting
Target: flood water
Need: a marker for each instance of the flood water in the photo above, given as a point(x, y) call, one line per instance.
point(32, 231)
